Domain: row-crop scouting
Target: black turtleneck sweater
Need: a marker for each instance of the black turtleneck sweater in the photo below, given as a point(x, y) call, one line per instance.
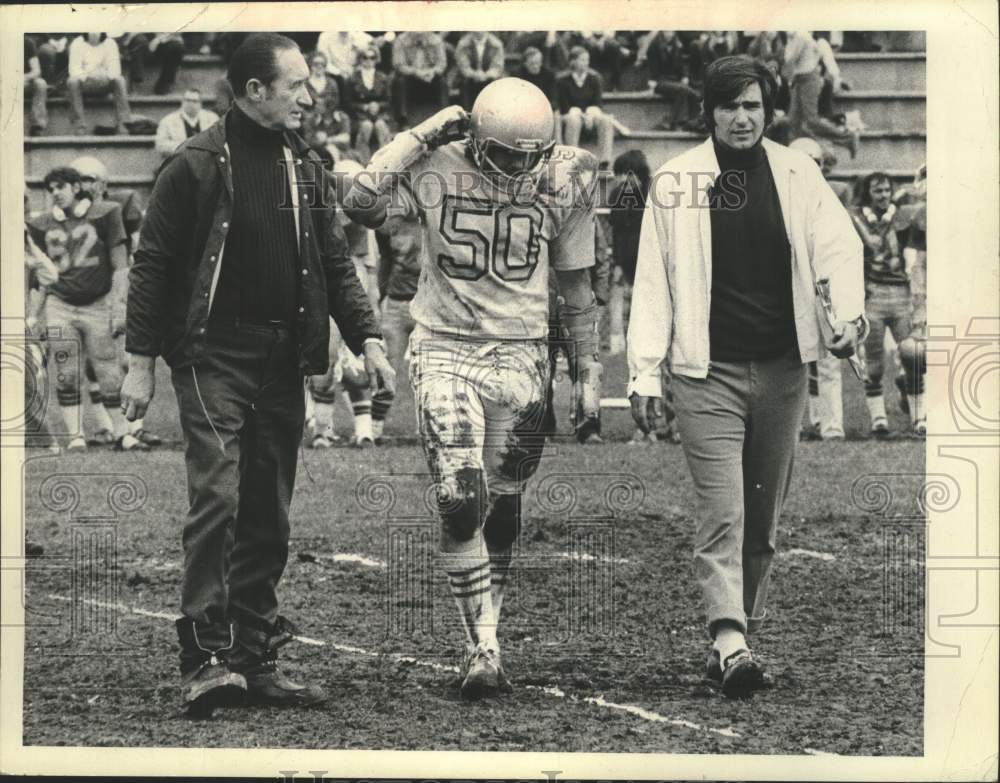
point(258, 280)
point(752, 316)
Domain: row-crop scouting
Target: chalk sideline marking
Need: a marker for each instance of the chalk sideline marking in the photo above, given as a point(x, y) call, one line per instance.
point(550, 690)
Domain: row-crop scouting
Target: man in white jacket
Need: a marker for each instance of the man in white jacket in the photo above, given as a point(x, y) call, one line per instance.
point(735, 235)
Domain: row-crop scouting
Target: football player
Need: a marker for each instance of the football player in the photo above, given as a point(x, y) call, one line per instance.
point(347, 371)
point(86, 306)
point(94, 185)
point(500, 204)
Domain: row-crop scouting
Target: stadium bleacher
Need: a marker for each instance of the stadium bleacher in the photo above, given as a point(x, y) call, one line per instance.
point(888, 90)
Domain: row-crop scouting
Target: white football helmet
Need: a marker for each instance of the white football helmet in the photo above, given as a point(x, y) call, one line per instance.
point(511, 129)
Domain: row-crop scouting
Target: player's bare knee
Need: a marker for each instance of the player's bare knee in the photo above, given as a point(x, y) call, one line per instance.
point(460, 503)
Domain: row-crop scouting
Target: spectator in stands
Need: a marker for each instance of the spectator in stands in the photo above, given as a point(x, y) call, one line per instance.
point(367, 102)
point(579, 96)
point(163, 49)
point(607, 55)
point(555, 53)
point(888, 302)
point(179, 126)
point(382, 41)
point(479, 58)
point(420, 89)
point(668, 73)
point(53, 55)
point(36, 87)
point(341, 50)
point(95, 68)
point(704, 49)
point(325, 127)
point(804, 59)
point(534, 70)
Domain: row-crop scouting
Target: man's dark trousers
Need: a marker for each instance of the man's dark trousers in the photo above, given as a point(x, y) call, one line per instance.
point(241, 409)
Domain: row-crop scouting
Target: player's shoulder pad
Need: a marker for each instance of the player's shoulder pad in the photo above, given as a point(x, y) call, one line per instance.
point(102, 208)
point(568, 168)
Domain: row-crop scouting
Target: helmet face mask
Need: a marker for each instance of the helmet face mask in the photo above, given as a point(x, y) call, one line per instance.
point(511, 131)
point(498, 159)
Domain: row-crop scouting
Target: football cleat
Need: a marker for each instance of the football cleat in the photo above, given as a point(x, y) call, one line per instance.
point(484, 674)
point(78, 443)
point(511, 130)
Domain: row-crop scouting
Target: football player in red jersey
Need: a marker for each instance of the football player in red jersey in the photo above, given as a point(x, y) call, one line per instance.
point(501, 205)
point(86, 306)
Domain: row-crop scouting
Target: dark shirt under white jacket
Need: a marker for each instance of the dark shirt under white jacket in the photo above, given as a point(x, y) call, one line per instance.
point(177, 265)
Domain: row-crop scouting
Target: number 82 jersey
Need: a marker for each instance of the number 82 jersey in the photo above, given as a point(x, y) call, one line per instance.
point(486, 253)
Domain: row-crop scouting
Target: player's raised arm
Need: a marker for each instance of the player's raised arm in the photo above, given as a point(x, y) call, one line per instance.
point(367, 201)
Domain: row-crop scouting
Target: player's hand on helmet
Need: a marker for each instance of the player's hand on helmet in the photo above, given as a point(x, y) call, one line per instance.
point(139, 386)
point(449, 124)
point(845, 339)
point(380, 372)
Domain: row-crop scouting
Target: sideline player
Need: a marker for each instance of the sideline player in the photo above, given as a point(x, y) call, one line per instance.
point(94, 185)
point(86, 241)
point(500, 205)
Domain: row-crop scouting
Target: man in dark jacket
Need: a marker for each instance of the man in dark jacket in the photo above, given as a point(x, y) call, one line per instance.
point(234, 285)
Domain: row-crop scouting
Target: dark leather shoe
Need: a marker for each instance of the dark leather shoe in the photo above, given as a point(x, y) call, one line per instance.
point(268, 687)
point(210, 686)
point(742, 675)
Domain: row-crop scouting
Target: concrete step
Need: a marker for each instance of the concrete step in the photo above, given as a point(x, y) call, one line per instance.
point(888, 110)
point(884, 71)
point(100, 111)
point(201, 71)
point(132, 155)
point(135, 155)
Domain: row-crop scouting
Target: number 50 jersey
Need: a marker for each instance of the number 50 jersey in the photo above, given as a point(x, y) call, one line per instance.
point(486, 254)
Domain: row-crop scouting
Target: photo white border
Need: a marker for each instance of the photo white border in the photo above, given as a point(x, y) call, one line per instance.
point(962, 66)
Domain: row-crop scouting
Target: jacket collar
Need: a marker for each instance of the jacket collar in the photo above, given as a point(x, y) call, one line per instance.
point(777, 156)
point(214, 139)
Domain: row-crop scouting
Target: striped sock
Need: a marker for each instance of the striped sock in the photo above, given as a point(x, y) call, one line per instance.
point(499, 572)
point(469, 578)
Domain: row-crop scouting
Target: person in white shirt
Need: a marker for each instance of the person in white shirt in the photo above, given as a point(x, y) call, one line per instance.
point(725, 292)
point(179, 126)
point(95, 68)
point(341, 50)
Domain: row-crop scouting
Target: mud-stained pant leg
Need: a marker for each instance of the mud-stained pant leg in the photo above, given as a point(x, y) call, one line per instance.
point(515, 435)
point(451, 424)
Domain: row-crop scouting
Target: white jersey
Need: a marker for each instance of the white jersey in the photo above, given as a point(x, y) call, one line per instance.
point(486, 256)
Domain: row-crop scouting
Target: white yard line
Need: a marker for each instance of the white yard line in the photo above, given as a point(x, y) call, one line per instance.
point(598, 701)
point(825, 556)
point(345, 557)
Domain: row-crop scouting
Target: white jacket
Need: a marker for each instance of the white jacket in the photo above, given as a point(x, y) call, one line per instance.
point(170, 133)
point(671, 298)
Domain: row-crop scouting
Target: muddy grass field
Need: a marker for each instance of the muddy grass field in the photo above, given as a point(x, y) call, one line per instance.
point(601, 632)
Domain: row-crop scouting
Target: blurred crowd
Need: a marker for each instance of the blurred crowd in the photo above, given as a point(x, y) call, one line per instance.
point(368, 85)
